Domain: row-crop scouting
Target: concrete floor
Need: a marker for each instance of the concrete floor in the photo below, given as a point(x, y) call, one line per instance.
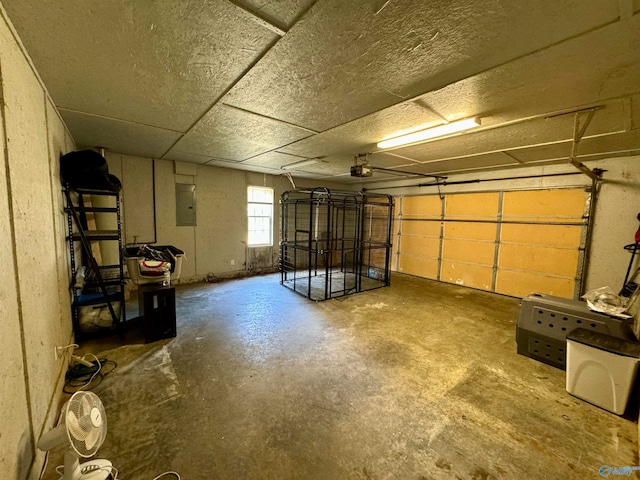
point(419, 380)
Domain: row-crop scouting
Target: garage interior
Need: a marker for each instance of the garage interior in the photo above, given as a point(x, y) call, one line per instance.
point(193, 104)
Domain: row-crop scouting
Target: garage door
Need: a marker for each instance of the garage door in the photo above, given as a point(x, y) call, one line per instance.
point(510, 242)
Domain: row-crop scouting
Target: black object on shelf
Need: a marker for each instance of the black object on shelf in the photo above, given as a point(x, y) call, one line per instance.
point(157, 307)
point(103, 289)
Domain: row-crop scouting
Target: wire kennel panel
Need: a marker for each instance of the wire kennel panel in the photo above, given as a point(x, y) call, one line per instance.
point(334, 243)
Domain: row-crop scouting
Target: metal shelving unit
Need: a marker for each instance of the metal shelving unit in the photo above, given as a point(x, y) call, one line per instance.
point(104, 285)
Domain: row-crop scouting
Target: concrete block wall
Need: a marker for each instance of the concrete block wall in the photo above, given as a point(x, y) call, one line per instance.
point(615, 225)
point(34, 295)
point(216, 247)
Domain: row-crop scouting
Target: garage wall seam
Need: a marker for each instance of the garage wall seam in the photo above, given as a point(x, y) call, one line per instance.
point(12, 229)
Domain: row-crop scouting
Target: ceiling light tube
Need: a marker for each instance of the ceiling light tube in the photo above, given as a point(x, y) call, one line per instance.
point(429, 133)
point(302, 163)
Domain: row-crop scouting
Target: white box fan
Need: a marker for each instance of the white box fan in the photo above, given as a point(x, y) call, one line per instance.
point(82, 429)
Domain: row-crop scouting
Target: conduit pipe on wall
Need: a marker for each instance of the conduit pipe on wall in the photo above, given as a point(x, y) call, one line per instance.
point(153, 189)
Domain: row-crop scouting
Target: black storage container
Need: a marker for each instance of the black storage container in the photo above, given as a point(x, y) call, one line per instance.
point(545, 321)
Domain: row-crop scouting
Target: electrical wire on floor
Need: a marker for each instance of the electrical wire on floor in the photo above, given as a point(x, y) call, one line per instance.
point(81, 376)
point(113, 471)
point(167, 473)
point(84, 377)
point(46, 455)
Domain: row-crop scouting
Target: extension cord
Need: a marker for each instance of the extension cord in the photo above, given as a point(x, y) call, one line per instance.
point(81, 360)
point(80, 370)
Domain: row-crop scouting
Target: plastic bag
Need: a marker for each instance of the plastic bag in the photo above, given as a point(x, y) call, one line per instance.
point(605, 300)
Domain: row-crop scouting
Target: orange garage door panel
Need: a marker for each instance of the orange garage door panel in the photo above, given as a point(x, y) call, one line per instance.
point(541, 259)
point(470, 251)
point(419, 266)
point(511, 242)
point(559, 235)
point(422, 206)
point(543, 205)
point(476, 276)
point(521, 284)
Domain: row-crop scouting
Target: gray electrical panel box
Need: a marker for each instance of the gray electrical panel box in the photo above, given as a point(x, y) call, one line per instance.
point(185, 204)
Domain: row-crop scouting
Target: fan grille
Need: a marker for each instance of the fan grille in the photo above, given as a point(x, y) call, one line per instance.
point(86, 423)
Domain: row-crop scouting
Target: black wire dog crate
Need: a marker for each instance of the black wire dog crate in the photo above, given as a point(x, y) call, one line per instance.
point(334, 243)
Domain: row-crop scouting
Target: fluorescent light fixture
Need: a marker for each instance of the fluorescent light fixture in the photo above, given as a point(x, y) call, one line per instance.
point(300, 164)
point(439, 131)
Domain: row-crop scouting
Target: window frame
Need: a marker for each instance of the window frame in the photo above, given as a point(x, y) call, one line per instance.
point(270, 217)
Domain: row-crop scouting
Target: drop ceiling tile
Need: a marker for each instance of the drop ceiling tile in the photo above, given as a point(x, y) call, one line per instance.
point(186, 157)
point(361, 135)
point(340, 165)
point(159, 63)
point(282, 13)
point(586, 70)
point(348, 59)
point(514, 136)
point(122, 137)
point(611, 143)
point(303, 174)
point(467, 163)
point(329, 166)
point(608, 145)
point(389, 160)
point(221, 163)
point(603, 156)
point(558, 151)
point(253, 168)
point(272, 160)
point(229, 133)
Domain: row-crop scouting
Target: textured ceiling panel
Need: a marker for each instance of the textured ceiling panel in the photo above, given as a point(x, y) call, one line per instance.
point(159, 63)
point(517, 135)
point(232, 134)
point(252, 168)
point(603, 156)
point(308, 175)
point(389, 160)
point(340, 165)
point(348, 59)
point(546, 152)
point(460, 164)
point(582, 71)
point(222, 163)
point(272, 160)
point(610, 143)
point(281, 13)
point(187, 157)
point(333, 165)
point(348, 73)
point(360, 136)
point(137, 140)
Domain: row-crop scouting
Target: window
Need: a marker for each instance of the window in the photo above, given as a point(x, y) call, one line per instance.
point(260, 216)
